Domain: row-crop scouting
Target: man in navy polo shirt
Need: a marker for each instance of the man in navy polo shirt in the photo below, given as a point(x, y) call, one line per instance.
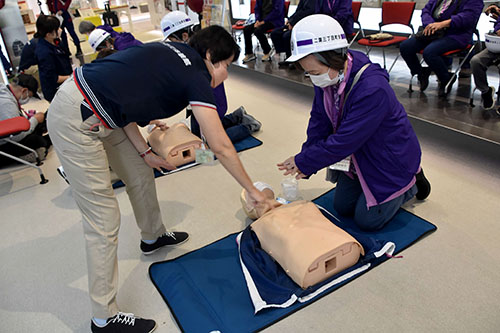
point(93, 119)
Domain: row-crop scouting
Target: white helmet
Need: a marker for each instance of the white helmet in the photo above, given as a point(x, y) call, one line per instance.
point(174, 21)
point(492, 42)
point(96, 37)
point(316, 33)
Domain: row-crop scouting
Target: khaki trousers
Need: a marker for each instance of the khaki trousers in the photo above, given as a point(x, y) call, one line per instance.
point(86, 156)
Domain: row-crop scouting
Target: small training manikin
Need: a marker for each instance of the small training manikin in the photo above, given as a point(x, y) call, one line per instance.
point(308, 246)
point(176, 145)
point(251, 211)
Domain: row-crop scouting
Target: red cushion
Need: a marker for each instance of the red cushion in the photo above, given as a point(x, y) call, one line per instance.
point(395, 40)
point(237, 27)
point(13, 126)
point(452, 51)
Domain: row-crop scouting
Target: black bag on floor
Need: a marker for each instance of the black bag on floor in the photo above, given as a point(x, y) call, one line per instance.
point(110, 17)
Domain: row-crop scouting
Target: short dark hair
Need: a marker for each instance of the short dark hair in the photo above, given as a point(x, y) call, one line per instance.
point(217, 41)
point(104, 53)
point(46, 24)
point(334, 59)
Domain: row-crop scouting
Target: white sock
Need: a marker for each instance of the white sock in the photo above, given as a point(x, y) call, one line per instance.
point(99, 322)
point(147, 241)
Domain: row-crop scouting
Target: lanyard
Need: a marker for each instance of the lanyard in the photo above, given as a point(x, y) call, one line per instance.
point(338, 97)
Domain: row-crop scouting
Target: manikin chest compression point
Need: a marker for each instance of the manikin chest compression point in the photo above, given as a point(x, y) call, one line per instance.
point(251, 211)
point(307, 245)
point(176, 145)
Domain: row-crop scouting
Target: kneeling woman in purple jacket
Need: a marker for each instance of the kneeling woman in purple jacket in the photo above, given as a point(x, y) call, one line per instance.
point(357, 128)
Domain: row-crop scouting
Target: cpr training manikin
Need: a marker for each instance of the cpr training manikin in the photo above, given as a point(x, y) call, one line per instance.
point(177, 145)
point(308, 246)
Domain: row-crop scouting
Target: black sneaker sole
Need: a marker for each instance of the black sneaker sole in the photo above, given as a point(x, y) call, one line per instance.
point(166, 245)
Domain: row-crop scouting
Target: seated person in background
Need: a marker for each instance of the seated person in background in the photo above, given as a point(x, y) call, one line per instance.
point(54, 65)
point(12, 96)
point(481, 61)
point(177, 27)
point(340, 10)
point(447, 25)
point(122, 40)
point(269, 14)
point(281, 36)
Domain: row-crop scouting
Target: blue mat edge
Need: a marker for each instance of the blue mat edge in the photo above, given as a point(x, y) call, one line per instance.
point(119, 184)
point(305, 304)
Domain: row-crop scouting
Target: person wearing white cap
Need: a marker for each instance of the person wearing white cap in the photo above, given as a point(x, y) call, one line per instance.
point(176, 26)
point(358, 128)
point(100, 39)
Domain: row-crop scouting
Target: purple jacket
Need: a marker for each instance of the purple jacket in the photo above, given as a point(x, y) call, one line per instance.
point(276, 16)
point(463, 23)
point(123, 40)
point(374, 128)
point(340, 10)
point(496, 27)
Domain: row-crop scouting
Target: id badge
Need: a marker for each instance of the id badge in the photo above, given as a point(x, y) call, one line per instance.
point(204, 156)
point(343, 165)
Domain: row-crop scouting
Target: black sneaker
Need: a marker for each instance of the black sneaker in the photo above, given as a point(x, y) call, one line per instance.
point(423, 186)
point(423, 78)
point(167, 239)
point(489, 99)
point(125, 323)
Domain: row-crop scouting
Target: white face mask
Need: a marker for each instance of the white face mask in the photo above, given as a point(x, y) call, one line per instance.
point(24, 100)
point(323, 80)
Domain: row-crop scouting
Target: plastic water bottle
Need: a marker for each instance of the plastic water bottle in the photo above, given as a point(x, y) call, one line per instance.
point(290, 188)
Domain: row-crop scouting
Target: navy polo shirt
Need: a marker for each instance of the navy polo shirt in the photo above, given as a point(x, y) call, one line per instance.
point(143, 83)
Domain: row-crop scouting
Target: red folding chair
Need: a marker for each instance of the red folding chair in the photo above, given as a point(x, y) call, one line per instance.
point(240, 24)
point(462, 53)
point(356, 8)
point(392, 13)
point(13, 126)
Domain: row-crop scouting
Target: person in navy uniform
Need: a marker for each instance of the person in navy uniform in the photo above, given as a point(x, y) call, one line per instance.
point(93, 121)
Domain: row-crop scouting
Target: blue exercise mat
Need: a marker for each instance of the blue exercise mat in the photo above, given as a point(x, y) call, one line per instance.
point(245, 144)
point(206, 290)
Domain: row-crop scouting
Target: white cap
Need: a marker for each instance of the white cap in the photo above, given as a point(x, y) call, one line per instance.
point(174, 21)
point(316, 33)
point(492, 42)
point(96, 37)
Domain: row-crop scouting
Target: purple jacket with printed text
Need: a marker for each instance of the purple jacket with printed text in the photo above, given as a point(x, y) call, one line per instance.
point(374, 127)
point(463, 23)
